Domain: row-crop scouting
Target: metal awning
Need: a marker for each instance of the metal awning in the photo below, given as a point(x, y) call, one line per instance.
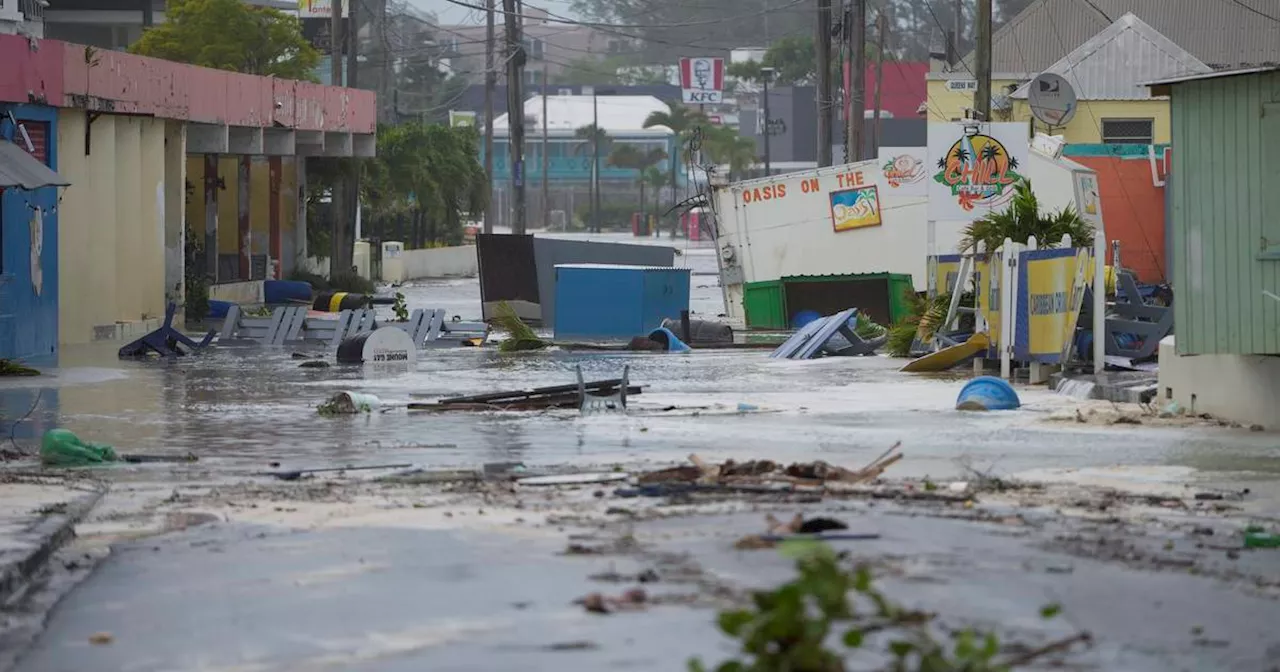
point(20, 169)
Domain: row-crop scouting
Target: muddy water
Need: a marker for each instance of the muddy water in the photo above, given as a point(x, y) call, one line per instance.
point(240, 409)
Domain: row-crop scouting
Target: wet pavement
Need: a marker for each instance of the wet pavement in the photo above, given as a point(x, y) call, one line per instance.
point(370, 597)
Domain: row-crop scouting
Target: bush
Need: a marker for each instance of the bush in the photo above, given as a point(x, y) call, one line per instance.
point(318, 282)
point(350, 282)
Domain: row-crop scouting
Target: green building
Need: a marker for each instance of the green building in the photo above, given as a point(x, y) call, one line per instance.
point(1224, 220)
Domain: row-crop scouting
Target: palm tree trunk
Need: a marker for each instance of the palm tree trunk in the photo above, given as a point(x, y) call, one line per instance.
point(644, 217)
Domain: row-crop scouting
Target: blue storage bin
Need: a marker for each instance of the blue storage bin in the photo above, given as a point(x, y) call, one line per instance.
point(607, 301)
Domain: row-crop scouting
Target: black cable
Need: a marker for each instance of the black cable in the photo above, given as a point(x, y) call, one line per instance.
point(13, 431)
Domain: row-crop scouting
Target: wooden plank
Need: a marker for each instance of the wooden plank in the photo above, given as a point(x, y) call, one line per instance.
point(298, 324)
point(598, 385)
point(436, 326)
point(340, 330)
point(231, 325)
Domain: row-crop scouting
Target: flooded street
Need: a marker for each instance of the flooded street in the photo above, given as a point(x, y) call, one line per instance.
point(340, 573)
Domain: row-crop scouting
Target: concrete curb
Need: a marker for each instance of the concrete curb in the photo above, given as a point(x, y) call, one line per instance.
point(39, 542)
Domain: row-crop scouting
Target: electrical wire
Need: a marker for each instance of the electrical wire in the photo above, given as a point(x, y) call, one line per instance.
point(1255, 11)
point(555, 18)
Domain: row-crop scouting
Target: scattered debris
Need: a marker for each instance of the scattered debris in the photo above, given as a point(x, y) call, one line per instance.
point(314, 364)
point(145, 459)
point(761, 472)
point(101, 638)
point(799, 528)
point(349, 403)
point(62, 448)
point(574, 479)
point(538, 398)
point(299, 473)
point(1257, 537)
point(631, 600)
point(8, 367)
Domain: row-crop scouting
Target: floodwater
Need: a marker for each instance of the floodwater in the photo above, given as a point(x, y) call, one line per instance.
point(240, 409)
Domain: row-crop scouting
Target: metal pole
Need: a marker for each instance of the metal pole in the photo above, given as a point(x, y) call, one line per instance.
point(353, 78)
point(490, 78)
point(546, 188)
point(337, 209)
point(823, 45)
point(956, 32)
point(857, 85)
point(595, 161)
point(1100, 300)
point(982, 97)
point(768, 166)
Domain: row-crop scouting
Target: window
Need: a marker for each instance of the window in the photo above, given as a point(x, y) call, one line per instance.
point(1128, 131)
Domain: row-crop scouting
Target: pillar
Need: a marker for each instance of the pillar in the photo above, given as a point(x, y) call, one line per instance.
point(211, 217)
point(300, 224)
point(175, 209)
point(245, 234)
point(275, 266)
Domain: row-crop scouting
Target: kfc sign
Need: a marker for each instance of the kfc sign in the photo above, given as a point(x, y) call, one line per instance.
point(702, 80)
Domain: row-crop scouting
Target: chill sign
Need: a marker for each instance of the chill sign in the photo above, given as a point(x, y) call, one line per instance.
point(702, 80)
point(389, 345)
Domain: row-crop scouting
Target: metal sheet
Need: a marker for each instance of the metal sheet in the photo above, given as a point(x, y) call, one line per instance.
point(20, 169)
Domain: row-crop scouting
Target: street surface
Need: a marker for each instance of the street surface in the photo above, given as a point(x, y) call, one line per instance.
point(215, 567)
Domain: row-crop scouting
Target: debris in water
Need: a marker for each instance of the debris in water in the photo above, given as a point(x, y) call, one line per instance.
point(631, 600)
point(314, 364)
point(348, 403)
point(101, 638)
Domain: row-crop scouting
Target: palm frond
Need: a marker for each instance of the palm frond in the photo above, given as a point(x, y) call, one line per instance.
point(520, 336)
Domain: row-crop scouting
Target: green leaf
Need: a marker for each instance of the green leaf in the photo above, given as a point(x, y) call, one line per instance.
point(802, 549)
point(853, 638)
point(695, 665)
point(730, 666)
point(990, 646)
point(732, 622)
point(900, 648)
point(862, 579)
point(1051, 610)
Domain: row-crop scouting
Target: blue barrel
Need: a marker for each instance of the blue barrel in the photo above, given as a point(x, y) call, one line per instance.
point(285, 291)
point(987, 393)
point(218, 309)
point(804, 317)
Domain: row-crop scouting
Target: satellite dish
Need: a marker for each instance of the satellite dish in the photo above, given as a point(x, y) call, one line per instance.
point(1052, 99)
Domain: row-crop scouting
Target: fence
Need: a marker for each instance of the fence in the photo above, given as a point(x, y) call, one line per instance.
point(1044, 287)
point(399, 264)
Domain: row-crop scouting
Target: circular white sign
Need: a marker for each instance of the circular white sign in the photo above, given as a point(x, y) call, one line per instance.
point(1052, 99)
point(389, 345)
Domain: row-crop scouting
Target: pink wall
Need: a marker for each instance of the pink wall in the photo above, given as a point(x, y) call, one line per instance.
point(70, 75)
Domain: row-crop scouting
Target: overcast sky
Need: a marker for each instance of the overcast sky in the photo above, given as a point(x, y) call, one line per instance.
point(453, 14)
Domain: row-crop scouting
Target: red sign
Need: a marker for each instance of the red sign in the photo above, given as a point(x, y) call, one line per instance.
point(702, 80)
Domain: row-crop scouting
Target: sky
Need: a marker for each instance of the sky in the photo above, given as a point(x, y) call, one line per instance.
point(449, 13)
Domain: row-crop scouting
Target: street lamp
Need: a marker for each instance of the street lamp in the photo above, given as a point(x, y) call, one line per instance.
point(766, 74)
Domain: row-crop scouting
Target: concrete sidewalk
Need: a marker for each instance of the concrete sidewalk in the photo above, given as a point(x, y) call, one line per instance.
point(38, 515)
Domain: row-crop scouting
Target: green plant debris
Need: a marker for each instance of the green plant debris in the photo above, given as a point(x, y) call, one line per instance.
point(8, 367)
point(866, 329)
point(400, 308)
point(520, 337)
point(1023, 219)
point(791, 628)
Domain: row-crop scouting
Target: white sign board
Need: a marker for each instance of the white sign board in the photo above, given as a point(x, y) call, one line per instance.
point(974, 168)
point(702, 80)
point(905, 170)
point(962, 85)
point(1088, 198)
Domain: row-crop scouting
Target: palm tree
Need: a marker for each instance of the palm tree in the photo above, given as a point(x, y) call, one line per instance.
point(634, 158)
point(1023, 219)
point(724, 146)
point(653, 177)
point(682, 121)
point(596, 142)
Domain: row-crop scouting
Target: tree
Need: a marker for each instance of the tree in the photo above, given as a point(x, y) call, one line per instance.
point(631, 157)
point(1023, 219)
point(725, 147)
point(428, 175)
point(231, 35)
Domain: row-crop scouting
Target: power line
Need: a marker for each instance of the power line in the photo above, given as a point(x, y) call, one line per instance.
point(1255, 11)
point(555, 18)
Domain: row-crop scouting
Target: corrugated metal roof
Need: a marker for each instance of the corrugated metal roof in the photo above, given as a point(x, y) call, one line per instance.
point(618, 115)
point(1211, 75)
point(1221, 33)
point(20, 169)
point(1113, 64)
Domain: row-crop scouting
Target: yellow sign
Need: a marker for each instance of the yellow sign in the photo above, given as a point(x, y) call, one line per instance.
point(947, 269)
point(1052, 283)
point(855, 208)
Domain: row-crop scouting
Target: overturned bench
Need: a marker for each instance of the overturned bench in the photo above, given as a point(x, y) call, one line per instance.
point(290, 325)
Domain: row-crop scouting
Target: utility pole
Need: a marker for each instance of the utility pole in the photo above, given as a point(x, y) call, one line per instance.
point(515, 112)
point(339, 264)
point(857, 24)
point(546, 162)
point(982, 59)
point(353, 69)
point(822, 44)
point(490, 77)
point(956, 32)
point(882, 24)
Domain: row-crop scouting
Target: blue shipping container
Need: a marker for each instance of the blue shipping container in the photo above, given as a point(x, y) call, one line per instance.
point(613, 301)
